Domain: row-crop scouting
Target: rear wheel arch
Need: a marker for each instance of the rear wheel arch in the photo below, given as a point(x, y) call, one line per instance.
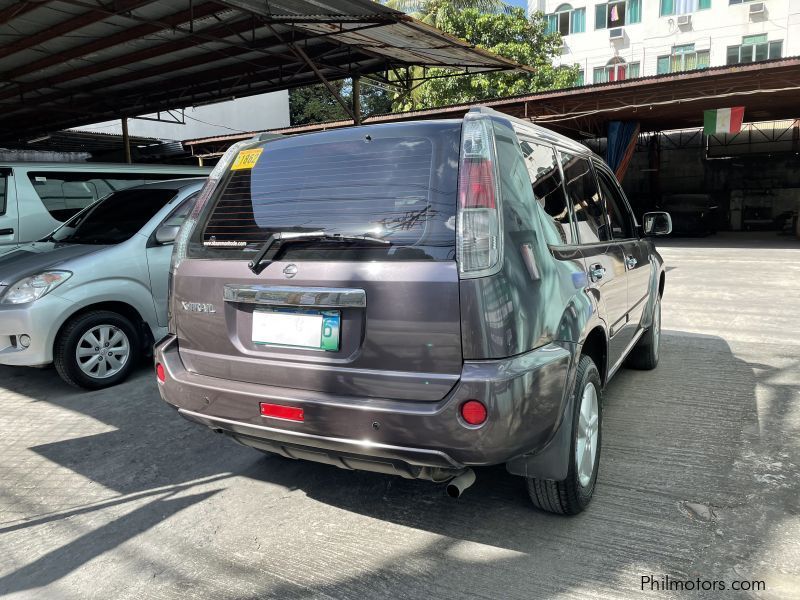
point(595, 346)
point(661, 281)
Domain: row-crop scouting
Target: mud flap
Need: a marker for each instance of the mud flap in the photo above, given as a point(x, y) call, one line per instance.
point(552, 461)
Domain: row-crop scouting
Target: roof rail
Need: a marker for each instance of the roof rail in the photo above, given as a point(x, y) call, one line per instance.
point(543, 132)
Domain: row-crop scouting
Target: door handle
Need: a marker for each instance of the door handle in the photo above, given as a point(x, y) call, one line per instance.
point(8, 231)
point(596, 272)
point(631, 262)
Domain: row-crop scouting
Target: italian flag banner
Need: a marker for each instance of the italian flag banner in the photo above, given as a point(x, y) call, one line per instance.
point(723, 120)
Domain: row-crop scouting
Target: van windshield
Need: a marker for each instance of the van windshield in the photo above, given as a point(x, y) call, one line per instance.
point(370, 182)
point(115, 218)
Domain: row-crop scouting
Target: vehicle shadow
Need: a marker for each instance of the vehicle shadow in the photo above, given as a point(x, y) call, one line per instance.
point(138, 451)
point(673, 444)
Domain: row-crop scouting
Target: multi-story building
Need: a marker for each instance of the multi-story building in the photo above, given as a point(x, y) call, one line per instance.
point(624, 39)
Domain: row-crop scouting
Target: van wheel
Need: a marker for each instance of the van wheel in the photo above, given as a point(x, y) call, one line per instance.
point(571, 496)
point(96, 350)
point(644, 355)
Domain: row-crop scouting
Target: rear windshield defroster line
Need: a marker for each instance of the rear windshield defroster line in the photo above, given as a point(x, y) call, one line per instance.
point(401, 189)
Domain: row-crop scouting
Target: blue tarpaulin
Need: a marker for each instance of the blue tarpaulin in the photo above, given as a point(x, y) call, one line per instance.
point(621, 142)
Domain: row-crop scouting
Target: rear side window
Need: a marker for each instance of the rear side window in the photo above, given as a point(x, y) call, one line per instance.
point(64, 194)
point(4, 173)
point(398, 189)
point(619, 216)
point(546, 180)
point(585, 198)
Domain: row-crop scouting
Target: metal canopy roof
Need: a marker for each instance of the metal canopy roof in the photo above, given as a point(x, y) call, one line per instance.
point(768, 90)
point(71, 62)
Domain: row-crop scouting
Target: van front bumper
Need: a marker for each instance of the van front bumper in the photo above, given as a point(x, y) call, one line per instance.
point(38, 320)
point(524, 396)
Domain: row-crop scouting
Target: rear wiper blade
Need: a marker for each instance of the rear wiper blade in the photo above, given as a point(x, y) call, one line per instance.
point(278, 238)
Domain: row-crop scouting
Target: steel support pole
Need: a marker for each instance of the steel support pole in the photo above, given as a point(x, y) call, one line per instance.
point(356, 100)
point(126, 140)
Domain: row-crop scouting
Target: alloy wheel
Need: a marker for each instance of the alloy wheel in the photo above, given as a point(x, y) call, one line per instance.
point(102, 351)
point(588, 429)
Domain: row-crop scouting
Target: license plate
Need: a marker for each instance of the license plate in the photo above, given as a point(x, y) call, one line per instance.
point(315, 329)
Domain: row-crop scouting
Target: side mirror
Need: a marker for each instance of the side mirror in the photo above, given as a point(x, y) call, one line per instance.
point(166, 234)
point(656, 223)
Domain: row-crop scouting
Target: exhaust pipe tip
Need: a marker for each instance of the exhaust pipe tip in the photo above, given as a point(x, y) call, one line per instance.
point(460, 483)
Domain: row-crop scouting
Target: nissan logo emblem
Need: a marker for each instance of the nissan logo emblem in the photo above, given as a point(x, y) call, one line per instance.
point(290, 271)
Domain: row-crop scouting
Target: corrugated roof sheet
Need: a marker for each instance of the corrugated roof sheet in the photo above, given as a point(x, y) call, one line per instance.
point(71, 62)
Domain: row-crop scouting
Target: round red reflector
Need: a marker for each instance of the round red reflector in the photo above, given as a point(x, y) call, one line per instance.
point(162, 376)
point(473, 412)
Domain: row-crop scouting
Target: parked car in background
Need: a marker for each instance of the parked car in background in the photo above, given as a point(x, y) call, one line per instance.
point(417, 299)
point(692, 214)
point(35, 198)
point(92, 296)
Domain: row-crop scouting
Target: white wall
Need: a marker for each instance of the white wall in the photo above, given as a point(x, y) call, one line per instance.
point(712, 29)
point(254, 113)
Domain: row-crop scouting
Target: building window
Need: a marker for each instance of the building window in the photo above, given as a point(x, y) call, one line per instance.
point(617, 14)
point(683, 7)
point(683, 58)
point(754, 48)
point(616, 70)
point(581, 78)
point(566, 20)
point(731, 2)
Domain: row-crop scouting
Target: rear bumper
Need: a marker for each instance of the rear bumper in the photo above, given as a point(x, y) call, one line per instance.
point(524, 396)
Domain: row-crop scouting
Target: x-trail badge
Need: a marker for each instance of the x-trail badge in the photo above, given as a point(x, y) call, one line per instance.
point(201, 307)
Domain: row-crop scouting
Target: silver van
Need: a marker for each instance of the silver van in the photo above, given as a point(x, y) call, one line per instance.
point(35, 198)
point(92, 296)
point(415, 298)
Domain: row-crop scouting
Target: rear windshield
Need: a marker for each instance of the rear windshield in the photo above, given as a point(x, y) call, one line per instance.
point(400, 189)
point(114, 219)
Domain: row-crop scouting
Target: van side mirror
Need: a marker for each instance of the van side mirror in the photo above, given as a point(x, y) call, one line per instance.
point(656, 223)
point(166, 234)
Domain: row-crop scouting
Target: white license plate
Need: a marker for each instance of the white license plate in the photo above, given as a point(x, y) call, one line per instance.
point(302, 329)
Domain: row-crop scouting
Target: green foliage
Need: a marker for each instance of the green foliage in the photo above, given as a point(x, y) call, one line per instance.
point(315, 104)
point(429, 10)
point(510, 34)
point(490, 24)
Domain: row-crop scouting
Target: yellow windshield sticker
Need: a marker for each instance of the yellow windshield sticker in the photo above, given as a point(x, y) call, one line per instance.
point(246, 159)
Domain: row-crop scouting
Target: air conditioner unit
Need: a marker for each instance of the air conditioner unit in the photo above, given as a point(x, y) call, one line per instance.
point(758, 9)
point(617, 33)
point(685, 21)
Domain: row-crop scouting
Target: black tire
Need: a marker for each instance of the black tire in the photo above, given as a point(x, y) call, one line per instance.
point(66, 345)
point(572, 496)
point(645, 353)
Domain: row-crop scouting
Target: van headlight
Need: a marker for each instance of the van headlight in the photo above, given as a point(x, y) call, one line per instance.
point(34, 287)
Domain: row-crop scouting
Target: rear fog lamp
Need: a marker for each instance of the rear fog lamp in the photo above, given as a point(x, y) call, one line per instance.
point(473, 412)
point(278, 411)
point(160, 373)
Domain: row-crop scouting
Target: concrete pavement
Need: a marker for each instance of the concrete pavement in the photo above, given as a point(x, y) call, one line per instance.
point(111, 495)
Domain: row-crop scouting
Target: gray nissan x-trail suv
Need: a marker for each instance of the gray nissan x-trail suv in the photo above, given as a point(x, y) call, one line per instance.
point(414, 298)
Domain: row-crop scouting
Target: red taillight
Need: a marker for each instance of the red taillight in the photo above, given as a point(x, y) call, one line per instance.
point(278, 411)
point(160, 373)
point(473, 412)
point(476, 187)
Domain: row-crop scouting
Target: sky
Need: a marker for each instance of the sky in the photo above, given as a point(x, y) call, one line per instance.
point(519, 3)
